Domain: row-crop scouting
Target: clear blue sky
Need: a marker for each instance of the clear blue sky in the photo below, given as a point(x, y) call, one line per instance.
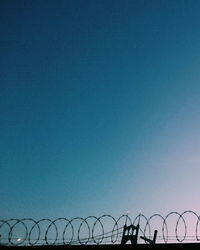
point(100, 107)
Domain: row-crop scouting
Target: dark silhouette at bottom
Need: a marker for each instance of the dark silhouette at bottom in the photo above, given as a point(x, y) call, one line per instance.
point(149, 240)
point(130, 233)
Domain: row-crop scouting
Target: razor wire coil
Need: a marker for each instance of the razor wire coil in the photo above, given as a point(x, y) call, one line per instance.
point(98, 230)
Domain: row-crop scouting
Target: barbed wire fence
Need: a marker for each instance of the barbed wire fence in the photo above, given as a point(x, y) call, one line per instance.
point(174, 228)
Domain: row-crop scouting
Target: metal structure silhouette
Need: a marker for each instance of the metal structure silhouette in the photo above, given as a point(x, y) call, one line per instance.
point(149, 240)
point(130, 233)
point(174, 227)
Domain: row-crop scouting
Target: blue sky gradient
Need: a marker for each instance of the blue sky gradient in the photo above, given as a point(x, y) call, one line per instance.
point(99, 104)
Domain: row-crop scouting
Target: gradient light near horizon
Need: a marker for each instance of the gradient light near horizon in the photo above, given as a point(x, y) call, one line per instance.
point(99, 106)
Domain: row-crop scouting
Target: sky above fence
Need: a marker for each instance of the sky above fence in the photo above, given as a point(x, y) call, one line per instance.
point(99, 104)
